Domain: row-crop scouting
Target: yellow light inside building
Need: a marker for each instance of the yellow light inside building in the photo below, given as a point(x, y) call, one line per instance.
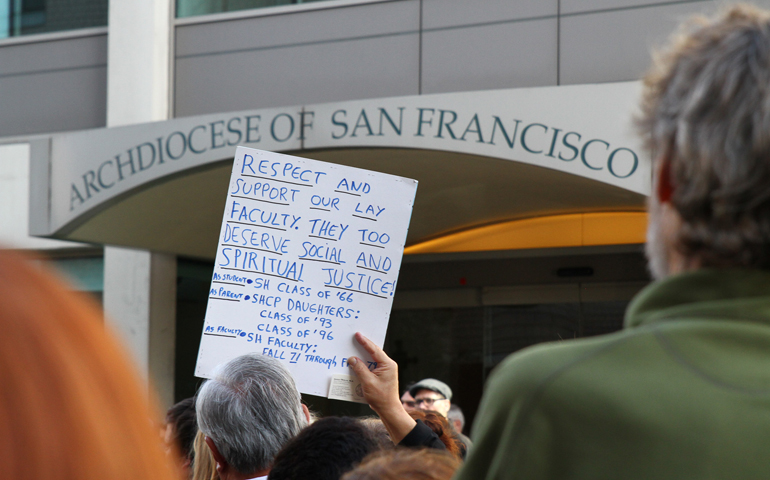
point(572, 230)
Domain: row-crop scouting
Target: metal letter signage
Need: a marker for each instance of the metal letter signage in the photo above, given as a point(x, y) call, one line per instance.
point(583, 130)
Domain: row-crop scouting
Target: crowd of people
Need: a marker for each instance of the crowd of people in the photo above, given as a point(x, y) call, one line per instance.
point(248, 422)
point(683, 391)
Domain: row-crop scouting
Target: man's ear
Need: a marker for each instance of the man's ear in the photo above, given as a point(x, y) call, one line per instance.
point(222, 464)
point(665, 189)
point(306, 412)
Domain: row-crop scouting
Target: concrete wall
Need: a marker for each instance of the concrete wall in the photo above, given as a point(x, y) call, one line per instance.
point(335, 50)
point(257, 59)
point(360, 51)
point(14, 201)
point(53, 82)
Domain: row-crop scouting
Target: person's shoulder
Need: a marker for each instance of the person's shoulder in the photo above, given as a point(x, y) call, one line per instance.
point(509, 429)
point(532, 368)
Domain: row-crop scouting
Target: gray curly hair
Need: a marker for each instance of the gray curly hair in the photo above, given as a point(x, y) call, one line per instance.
point(706, 109)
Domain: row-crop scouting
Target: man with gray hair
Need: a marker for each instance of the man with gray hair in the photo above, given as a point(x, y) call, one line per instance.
point(249, 410)
point(684, 390)
point(456, 417)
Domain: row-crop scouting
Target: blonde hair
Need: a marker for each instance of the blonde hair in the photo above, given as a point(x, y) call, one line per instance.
point(204, 466)
point(71, 405)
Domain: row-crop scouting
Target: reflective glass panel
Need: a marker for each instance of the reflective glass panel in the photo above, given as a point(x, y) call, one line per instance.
point(27, 17)
point(191, 8)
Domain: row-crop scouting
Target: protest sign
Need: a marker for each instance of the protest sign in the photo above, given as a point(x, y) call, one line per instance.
point(309, 253)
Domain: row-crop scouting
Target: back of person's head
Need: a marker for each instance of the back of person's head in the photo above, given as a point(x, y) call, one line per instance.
point(180, 419)
point(457, 418)
point(706, 119)
point(324, 451)
point(71, 405)
point(440, 426)
point(204, 466)
point(406, 464)
point(378, 431)
point(250, 409)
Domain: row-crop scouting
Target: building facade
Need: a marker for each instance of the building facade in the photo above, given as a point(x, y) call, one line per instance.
point(118, 123)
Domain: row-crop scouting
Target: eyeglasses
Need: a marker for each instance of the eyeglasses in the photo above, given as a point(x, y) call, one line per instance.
point(408, 403)
point(427, 401)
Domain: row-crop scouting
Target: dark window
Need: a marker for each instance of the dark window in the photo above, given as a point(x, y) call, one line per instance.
point(26, 17)
point(462, 345)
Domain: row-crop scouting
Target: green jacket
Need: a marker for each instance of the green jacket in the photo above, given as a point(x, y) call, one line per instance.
point(683, 392)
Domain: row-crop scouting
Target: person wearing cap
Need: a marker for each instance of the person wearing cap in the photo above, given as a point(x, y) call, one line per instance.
point(436, 396)
point(432, 395)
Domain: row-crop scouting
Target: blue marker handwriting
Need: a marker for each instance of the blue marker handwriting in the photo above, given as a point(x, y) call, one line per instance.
point(277, 169)
point(327, 230)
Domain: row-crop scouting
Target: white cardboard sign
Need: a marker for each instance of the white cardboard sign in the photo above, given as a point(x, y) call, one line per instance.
point(309, 253)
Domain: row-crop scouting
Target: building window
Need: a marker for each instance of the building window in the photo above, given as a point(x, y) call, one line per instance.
point(461, 346)
point(26, 17)
point(191, 8)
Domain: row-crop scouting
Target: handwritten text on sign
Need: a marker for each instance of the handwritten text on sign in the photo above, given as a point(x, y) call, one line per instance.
point(309, 253)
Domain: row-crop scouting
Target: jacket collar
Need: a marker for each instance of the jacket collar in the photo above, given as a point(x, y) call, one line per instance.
point(719, 293)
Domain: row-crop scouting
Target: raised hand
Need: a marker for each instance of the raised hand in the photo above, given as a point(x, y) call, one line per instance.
point(380, 388)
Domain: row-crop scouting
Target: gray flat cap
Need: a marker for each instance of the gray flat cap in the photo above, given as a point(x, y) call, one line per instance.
point(431, 384)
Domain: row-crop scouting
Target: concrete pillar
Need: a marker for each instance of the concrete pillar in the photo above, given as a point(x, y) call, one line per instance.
point(140, 286)
point(139, 61)
point(140, 303)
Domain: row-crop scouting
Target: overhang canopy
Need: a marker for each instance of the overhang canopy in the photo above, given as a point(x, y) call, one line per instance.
point(480, 157)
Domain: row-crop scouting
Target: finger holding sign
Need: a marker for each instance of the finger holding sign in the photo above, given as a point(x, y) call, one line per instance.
point(380, 387)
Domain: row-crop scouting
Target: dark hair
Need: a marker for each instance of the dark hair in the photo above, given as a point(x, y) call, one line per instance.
point(706, 109)
point(440, 426)
point(324, 451)
point(182, 416)
point(407, 388)
point(406, 464)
